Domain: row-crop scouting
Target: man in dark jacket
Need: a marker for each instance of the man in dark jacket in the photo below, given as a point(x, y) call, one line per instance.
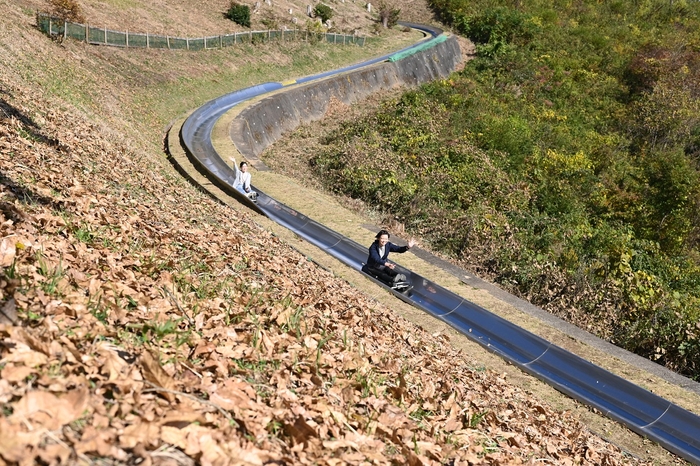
point(379, 266)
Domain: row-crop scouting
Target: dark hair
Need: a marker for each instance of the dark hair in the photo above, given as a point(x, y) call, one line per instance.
point(242, 163)
point(382, 232)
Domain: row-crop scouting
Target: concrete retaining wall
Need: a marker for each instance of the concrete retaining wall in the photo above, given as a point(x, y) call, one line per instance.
point(264, 122)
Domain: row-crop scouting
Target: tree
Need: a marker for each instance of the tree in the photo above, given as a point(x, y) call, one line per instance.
point(323, 11)
point(388, 14)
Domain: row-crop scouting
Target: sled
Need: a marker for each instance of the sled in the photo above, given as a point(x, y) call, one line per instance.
point(403, 287)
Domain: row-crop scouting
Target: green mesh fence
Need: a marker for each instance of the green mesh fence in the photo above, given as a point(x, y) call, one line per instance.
point(96, 35)
point(43, 23)
point(258, 37)
point(195, 44)
point(136, 40)
point(158, 42)
point(55, 27)
point(229, 40)
point(49, 26)
point(75, 31)
point(115, 38)
point(177, 43)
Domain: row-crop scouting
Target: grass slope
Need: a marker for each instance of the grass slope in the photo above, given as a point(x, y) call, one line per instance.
point(142, 321)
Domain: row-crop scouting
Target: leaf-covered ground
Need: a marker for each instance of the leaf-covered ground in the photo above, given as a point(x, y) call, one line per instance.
point(143, 323)
point(137, 326)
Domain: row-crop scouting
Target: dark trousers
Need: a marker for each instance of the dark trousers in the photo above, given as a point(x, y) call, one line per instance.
point(384, 274)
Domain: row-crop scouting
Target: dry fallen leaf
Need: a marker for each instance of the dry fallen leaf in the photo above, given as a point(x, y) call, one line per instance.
point(154, 373)
point(43, 409)
point(300, 430)
point(7, 251)
point(8, 312)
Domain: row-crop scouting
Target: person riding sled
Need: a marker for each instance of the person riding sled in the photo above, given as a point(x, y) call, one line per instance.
point(242, 181)
point(378, 264)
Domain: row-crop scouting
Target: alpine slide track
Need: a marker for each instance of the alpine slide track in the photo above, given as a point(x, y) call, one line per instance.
point(649, 415)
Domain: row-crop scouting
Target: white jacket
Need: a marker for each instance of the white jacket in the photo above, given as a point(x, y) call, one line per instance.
point(242, 181)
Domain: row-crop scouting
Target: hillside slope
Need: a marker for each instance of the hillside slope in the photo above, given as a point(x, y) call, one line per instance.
point(140, 320)
point(180, 18)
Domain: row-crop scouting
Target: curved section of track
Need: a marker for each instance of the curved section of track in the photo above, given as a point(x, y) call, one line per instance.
point(673, 427)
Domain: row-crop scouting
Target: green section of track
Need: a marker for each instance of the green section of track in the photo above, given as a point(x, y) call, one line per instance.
point(420, 48)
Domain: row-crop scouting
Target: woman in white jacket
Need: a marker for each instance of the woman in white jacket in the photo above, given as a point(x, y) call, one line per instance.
point(242, 181)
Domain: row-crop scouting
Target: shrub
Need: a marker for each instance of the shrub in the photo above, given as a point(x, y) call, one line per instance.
point(498, 24)
point(323, 11)
point(315, 31)
point(270, 21)
point(239, 14)
point(67, 10)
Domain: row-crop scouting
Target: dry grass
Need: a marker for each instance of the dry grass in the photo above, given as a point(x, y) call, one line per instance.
point(182, 18)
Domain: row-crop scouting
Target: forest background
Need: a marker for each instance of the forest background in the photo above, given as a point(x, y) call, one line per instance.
point(561, 163)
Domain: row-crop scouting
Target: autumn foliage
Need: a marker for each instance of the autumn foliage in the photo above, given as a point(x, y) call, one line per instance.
point(67, 10)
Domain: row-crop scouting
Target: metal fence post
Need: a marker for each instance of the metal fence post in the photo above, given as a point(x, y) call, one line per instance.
point(86, 33)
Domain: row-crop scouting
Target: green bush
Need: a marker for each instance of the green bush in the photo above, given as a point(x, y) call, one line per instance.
point(323, 11)
point(239, 14)
point(494, 29)
point(316, 31)
point(563, 163)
